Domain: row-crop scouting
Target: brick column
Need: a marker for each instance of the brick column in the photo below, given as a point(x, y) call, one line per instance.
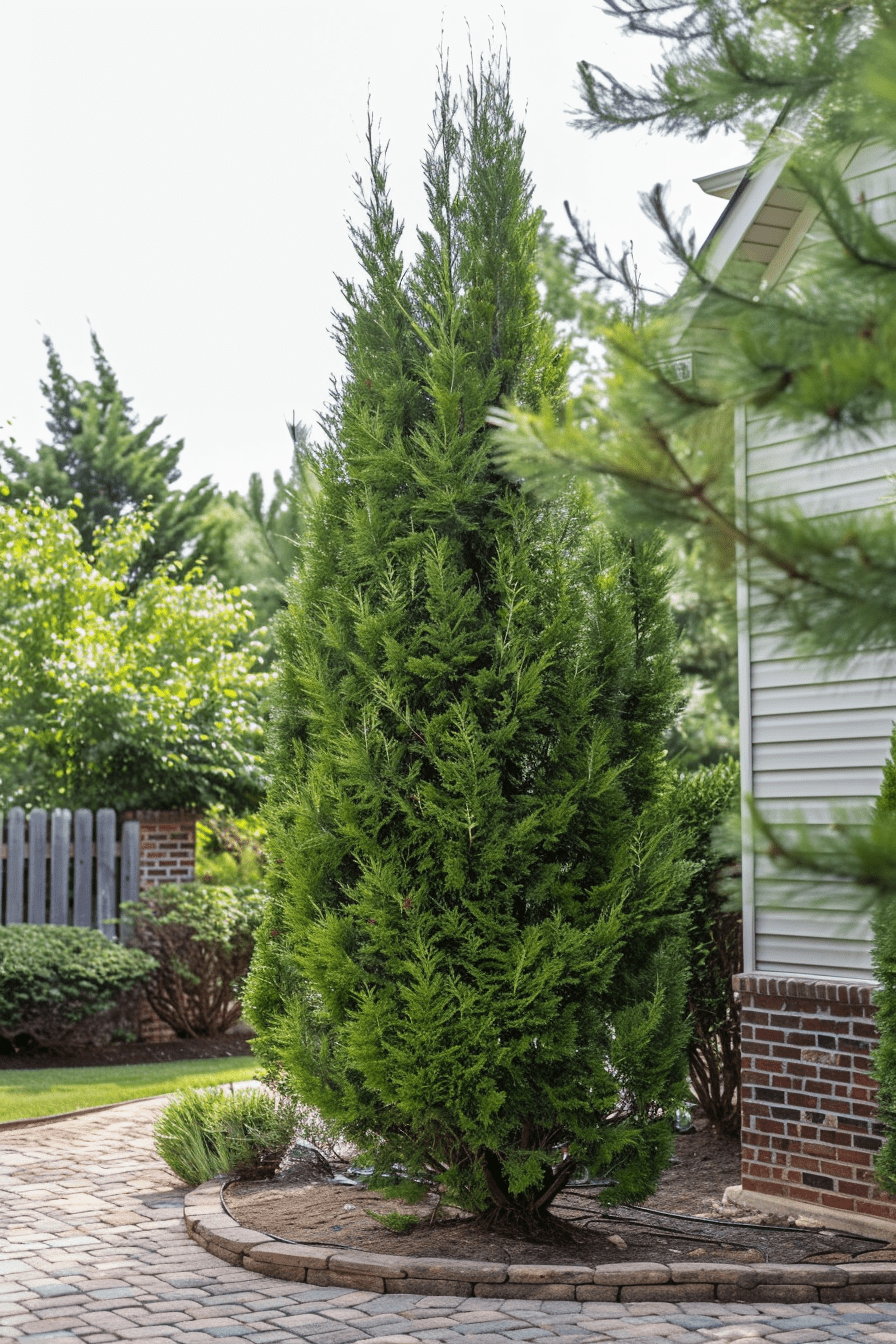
point(809, 1130)
point(167, 847)
point(167, 854)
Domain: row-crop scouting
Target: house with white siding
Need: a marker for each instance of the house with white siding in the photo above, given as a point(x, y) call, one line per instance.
point(815, 733)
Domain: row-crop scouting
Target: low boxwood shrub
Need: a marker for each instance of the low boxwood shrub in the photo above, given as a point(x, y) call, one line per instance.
point(66, 986)
point(207, 1133)
point(201, 937)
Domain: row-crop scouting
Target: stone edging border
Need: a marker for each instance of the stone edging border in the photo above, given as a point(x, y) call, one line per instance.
point(213, 1228)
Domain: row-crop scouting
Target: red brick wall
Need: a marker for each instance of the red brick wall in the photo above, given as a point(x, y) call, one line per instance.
point(809, 1129)
point(167, 854)
point(167, 847)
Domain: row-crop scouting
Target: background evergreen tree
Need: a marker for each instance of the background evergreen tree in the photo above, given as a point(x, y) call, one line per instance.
point(100, 453)
point(253, 539)
point(571, 280)
point(471, 961)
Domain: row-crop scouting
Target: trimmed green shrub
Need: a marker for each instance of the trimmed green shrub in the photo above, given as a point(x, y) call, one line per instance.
point(207, 1133)
point(65, 986)
point(201, 938)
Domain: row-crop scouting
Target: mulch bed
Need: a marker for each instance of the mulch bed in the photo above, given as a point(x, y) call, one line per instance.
point(123, 1052)
point(304, 1205)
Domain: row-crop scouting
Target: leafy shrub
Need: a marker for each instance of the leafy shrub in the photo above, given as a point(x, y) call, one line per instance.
point(201, 938)
point(202, 1134)
point(883, 1059)
point(120, 698)
point(64, 986)
point(715, 946)
point(229, 849)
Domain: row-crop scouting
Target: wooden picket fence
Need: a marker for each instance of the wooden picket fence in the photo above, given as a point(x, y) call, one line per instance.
point(49, 876)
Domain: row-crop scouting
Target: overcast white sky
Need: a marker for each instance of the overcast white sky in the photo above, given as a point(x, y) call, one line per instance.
point(178, 173)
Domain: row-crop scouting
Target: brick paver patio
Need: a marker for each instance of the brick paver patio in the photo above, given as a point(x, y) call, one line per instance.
point(93, 1248)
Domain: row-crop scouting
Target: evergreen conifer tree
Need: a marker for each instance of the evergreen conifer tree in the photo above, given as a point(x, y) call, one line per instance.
point(472, 958)
point(99, 452)
point(254, 540)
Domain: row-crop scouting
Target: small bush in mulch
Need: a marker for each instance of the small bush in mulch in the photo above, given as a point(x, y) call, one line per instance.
point(66, 987)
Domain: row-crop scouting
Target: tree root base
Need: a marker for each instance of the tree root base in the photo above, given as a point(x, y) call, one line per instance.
point(526, 1224)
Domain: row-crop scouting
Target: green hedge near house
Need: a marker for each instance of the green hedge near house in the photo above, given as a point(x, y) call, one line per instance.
point(883, 1061)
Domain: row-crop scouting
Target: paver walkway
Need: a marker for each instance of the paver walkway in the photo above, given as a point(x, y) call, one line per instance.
point(93, 1248)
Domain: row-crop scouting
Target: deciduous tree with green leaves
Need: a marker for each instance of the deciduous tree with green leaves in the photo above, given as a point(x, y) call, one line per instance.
point(117, 698)
point(472, 957)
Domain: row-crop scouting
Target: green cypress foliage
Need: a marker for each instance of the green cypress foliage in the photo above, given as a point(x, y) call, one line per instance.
point(472, 960)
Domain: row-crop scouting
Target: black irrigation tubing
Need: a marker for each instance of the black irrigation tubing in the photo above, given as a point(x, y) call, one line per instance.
point(713, 1222)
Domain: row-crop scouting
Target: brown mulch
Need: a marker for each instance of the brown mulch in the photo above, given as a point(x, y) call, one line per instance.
point(124, 1052)
point(303, 1206)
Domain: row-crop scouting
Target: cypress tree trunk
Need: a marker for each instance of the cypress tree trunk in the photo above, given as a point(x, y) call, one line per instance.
point(471, 962)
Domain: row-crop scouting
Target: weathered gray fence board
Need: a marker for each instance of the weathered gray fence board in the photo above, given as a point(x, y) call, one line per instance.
point(37, 866)
point(82, 910)
point(130, 869)
point(76, 878)
point(105, 871)
point(60, 840)
point(15, 866)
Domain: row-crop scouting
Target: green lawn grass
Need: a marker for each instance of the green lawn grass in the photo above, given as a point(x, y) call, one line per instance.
point(27, 1093)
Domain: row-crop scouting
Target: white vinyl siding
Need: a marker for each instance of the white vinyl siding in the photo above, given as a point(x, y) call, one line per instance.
point(820, 727)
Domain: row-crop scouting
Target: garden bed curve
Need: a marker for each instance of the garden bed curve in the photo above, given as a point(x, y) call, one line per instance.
point(210, 1225)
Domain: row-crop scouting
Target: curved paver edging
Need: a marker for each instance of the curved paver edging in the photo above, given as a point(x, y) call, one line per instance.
point(212, 1227)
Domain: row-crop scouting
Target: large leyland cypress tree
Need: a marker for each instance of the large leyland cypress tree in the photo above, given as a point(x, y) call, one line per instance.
point(471, 962)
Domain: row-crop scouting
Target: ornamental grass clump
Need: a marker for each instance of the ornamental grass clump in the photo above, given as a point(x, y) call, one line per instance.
point(207, 1133)
point(471, 962)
